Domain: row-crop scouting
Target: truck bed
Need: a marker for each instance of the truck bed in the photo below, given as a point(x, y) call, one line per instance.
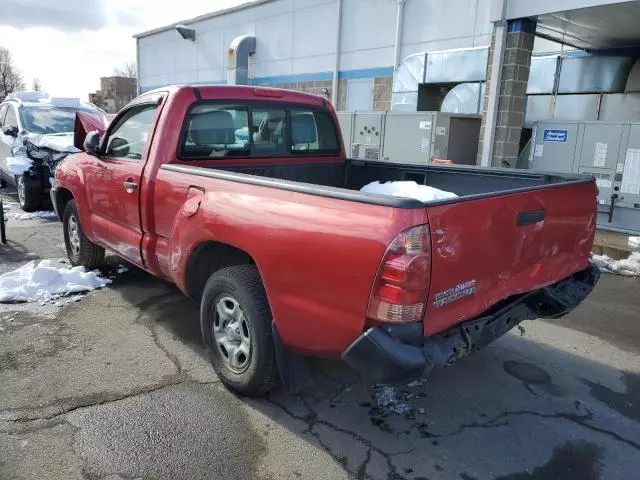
point(507, 233)
point(465, 181)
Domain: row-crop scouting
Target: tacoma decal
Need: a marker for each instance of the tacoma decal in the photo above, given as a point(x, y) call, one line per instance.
point(465, 289)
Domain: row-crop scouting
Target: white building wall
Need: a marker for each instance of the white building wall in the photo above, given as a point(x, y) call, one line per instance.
point(295, 39)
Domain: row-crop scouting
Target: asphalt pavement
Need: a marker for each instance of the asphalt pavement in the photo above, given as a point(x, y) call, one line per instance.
point(117, 386)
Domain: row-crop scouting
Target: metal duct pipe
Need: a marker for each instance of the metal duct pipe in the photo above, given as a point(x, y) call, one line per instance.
point(336, 67)
point(399, 23)
point(491, 115)
point(238, 59)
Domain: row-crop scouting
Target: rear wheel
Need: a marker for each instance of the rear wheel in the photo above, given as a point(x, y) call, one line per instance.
point(236, 329)
point(80, 250)
point(29, 193)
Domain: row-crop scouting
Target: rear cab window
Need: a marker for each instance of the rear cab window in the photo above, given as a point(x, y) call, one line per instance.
point(250, 129)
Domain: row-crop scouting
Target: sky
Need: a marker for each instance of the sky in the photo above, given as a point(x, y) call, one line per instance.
point(69, 44)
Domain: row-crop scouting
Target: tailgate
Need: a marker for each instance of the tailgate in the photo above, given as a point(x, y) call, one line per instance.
point(487, 249)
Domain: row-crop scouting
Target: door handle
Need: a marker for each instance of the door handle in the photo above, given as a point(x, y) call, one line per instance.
point(530, 217)
point(130, 185)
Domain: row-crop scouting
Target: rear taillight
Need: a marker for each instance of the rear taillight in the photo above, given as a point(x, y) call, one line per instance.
point(400, 290)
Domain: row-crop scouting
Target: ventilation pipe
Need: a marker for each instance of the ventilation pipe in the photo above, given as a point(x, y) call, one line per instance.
point(491, 115)
point(336, 66)
point(399, 22)
point(238, 59)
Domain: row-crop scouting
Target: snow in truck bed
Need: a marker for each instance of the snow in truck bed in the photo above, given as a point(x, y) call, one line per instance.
point(408, 189)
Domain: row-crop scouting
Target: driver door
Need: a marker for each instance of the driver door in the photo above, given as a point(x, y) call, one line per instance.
point(113, 181)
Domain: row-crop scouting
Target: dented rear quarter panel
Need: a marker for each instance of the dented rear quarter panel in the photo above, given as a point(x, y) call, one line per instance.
point(317, 256)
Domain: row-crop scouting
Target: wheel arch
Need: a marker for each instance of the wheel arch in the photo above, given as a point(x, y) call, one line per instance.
point(207, 258)
point(63, 197)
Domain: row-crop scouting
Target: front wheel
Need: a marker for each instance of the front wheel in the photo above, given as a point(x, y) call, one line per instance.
point(29, 193)
point(80, 250)
point(236, 327)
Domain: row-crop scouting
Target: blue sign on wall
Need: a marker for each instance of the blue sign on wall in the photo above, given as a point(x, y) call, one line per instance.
point(556, 136)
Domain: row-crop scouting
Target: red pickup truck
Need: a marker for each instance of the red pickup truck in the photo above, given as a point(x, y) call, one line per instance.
point(244, 198)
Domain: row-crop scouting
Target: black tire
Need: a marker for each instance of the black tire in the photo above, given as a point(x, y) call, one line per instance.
point(88, 254)
point(243, 284)
point(31, 197)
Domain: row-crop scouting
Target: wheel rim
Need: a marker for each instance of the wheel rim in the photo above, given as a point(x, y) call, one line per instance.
point(21, 189)
point(232, 334)
point(74, 236)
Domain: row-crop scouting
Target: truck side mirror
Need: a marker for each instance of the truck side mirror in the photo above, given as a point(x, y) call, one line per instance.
point(10, 130)
point(91, 143)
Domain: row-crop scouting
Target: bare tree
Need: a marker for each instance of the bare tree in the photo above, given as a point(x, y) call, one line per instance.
point(36, 85)
point(128, 70)
point(10, 77)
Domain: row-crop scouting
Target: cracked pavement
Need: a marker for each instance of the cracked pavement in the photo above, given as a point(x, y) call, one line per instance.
point(117, 386)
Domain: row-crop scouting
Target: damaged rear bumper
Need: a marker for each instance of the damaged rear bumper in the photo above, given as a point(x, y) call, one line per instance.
point(397, 352)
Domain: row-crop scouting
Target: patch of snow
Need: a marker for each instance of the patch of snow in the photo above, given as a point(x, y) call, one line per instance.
point(415, 383)
point(39, 214)
point(46, 281)
point(122, 269)
point(629, 266)
point(408, 189)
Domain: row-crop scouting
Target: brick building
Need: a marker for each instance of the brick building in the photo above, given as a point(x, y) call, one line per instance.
point(114, 93)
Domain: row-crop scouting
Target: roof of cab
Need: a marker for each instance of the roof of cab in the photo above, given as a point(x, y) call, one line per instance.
point(244, 92)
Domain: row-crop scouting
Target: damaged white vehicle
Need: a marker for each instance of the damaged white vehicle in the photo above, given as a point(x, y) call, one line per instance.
point(36, 133)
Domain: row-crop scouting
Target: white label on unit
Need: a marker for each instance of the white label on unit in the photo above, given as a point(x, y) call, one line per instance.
point(538, 150)
point(603, 182)
point(600, 154)
point(424, 125)
point(619, 167)
point(441, 130)
point(631, 174)
point(424, 147)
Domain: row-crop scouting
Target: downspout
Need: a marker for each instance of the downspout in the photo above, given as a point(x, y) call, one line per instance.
point(399, 23)
point(500, 41)
point(336, 67)
point(138, 92)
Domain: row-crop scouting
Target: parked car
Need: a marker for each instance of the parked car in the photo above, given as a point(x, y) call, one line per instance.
point(36, 132)
point(288, 258)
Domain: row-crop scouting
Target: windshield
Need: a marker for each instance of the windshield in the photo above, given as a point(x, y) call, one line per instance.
point(44, 120)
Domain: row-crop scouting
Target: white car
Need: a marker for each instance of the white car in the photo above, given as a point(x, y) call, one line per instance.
point(36, 132)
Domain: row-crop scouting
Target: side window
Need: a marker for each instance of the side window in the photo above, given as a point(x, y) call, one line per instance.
point(3, 112)
point(312, 131)
point(268, 129)
point(11, 118)
point(129, 136)
point(216, 131)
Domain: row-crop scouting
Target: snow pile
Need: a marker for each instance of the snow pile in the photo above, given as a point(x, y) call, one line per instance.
point(629, 266)
point(408, 189)
point(31, 215)
point(46, 281)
